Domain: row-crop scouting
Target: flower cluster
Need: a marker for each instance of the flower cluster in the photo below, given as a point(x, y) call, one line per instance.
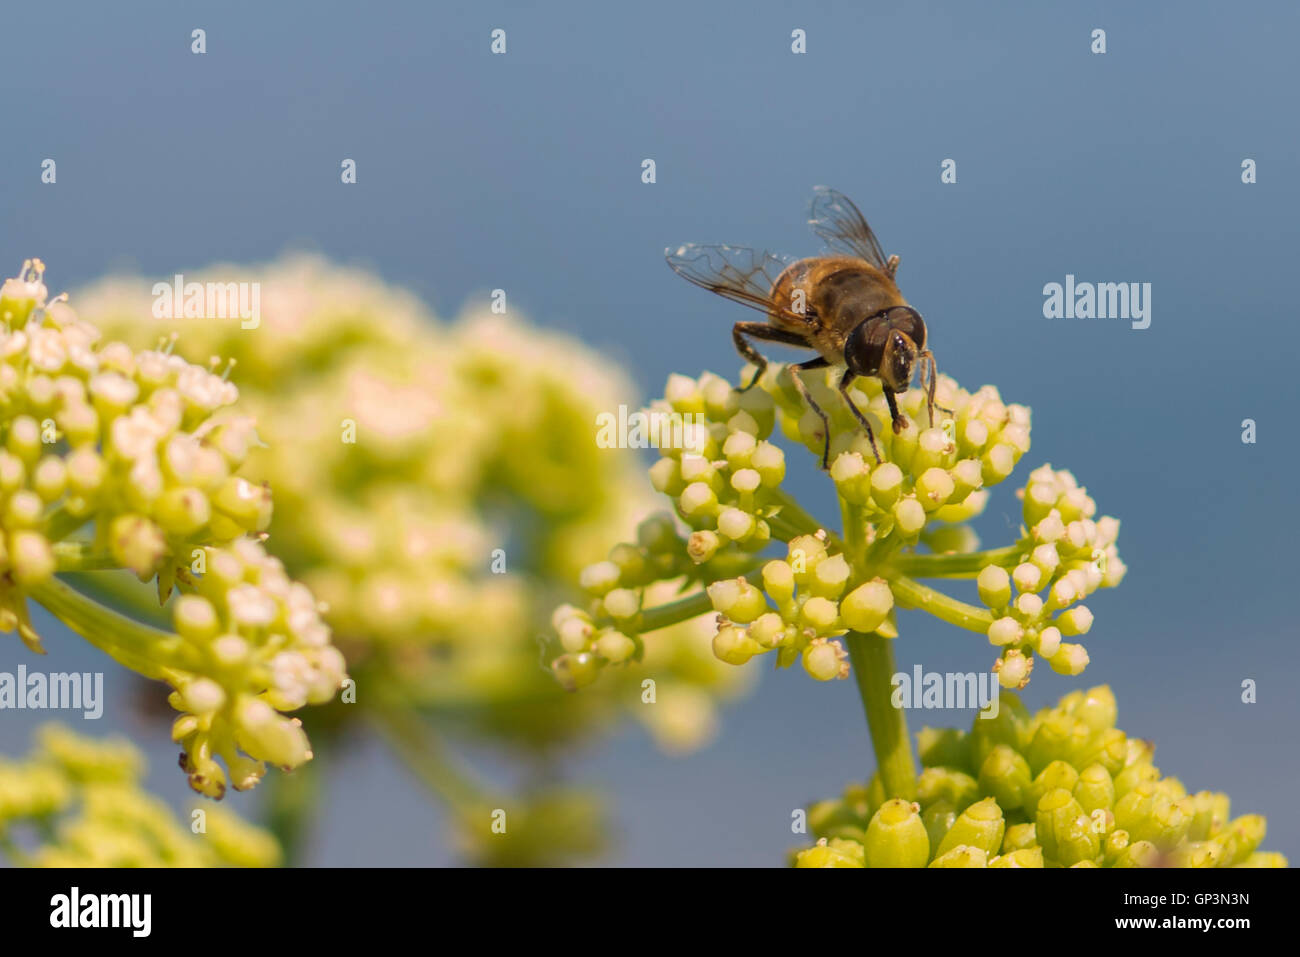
point(1063, 788)
point(144, 450)
point(437, 486)
point(142, 444)
point(254, 646)
point(1068, 557)
point(79, 802)
point(725, 476)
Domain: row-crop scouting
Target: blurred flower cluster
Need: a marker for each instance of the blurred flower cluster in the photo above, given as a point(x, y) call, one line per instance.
point(130, 459)
point(725, 481)
point(77, 802)
point(439, 486)
point(1063, 788)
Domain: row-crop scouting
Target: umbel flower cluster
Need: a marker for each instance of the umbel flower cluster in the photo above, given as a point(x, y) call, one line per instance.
point(725, 483)
point(77, 802)
point(1063, 788)
point(131, 460)
point(439, 486)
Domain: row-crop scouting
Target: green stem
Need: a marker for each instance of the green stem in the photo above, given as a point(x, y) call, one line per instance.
point(966, 565)
point(912, 594)
point(292, 803)
point(674, 612)
point(855, 534)
point(61, 523)
point(423, 752)
point(82, 557)
point(794, 515)
point(148, 651)
point(873, 666)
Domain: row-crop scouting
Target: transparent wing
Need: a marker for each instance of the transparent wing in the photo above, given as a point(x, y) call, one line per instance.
point(738, 273)
point(842, 227)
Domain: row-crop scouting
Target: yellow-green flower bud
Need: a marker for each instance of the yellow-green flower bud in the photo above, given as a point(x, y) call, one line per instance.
point(909, 516)
point(1005, 775)
point(830, 576)
point(778, 581)
point(1065, 833)
point(1019, 837)
point(819, 614)
point(1023, 857)
point(886, 484)
point(737, 599)
point(1095, 788)
point(979, 826)
point(1070, 659)
point(615, 647)
point(962, 856)
point(575, 671)
point(956, 787)
point(836, 852)
point(703, 545)
point(896, 836)
point(31, 557)
point(866, 607)
point(824, 660)
point(734, 646)
point(994, 586)
point(938, 817)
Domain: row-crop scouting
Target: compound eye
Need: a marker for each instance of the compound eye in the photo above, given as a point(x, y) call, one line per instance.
point(907, 320)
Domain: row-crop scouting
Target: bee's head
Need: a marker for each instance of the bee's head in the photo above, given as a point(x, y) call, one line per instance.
point(897, 361)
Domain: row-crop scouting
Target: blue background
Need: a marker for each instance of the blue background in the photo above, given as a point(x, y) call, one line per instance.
point(522, 171)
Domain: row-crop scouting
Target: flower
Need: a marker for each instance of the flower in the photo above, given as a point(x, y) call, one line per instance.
point(725, 483)
point(116, 458)
point(1063, 788)
point(83, 796)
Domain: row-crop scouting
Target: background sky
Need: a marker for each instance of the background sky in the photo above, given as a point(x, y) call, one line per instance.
point(522, 171)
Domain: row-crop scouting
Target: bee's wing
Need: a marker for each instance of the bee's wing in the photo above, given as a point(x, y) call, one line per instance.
point(739, 273)
point(842, 227)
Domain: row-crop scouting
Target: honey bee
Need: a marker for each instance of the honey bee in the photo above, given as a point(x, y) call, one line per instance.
point(844, 304)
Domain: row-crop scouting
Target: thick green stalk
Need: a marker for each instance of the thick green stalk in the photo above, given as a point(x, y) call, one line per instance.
point(912, 594)
point(291, 807)
point(966, 565)
point(422, 751)
point(873, 667)
point(149, 651)
point(661, 616)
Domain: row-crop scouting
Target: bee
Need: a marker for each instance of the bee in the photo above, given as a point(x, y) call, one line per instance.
point(843, 304)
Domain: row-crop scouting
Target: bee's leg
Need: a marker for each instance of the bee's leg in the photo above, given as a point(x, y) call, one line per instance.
point(899, 420)
point(891, 267)
point(845, 381)
point(760, 330)
point(928, 358)
point(817, 363)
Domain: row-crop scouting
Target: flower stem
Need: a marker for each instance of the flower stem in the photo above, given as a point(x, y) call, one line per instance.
point(661, 616)
point(423, 752)
point(912, 594)
point(146, 650)
point(794, 515)
point(292, 804)
point(82, 557)
point(966, 565)
point(873, 667)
